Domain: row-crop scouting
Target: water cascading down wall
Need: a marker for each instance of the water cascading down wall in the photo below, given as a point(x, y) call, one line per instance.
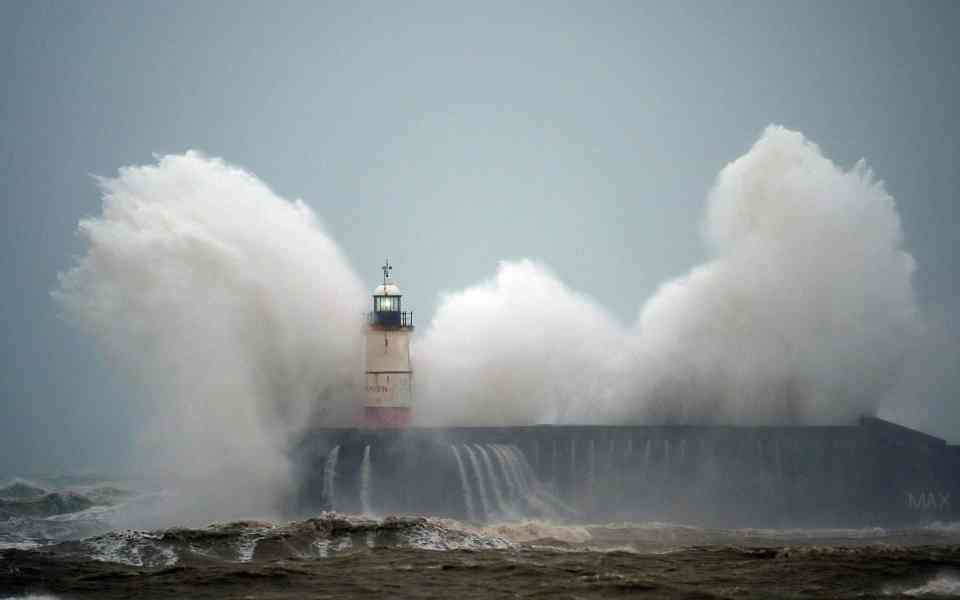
point(871, 473)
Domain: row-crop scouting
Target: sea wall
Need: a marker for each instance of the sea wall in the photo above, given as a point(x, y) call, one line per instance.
point(871, 473)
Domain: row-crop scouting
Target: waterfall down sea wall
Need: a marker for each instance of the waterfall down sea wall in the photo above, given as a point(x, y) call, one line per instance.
point(871, 473)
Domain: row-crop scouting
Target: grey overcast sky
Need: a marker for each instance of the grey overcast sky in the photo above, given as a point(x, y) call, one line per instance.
point(447, 136)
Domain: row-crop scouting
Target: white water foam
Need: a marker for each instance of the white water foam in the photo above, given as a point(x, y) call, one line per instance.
point(323, 547)
point(134, 548)
point(20, 545)
point(942, 586)
point(449, 534)
point(247, 546)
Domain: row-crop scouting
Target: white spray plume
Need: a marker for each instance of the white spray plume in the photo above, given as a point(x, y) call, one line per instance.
point(805, 311)
point(802, 315)
point(519, 349)
point(237, 315)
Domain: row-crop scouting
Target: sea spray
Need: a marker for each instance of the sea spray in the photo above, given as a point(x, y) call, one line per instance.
point(493, 480)
point(330, 479)
point(806, 279)
point(234, 315)
point(366, 477)
point(532, 351)
point(481, 487)
point(465, 485)
point(514, 485)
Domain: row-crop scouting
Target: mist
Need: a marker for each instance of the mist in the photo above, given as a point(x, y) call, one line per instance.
point(234, 315)
point(802, 314)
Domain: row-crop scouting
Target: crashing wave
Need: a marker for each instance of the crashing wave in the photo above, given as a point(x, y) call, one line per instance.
point(53, 503)
point(32, 514)
point(23, 498)
point(22, 488)
point(327, 535)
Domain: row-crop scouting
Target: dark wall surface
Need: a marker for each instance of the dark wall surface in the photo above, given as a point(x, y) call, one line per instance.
point(874, 473)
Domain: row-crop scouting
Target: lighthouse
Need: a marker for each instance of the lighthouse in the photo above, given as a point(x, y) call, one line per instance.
point(389, 372)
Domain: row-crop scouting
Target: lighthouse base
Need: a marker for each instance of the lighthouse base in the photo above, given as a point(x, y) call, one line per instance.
point(387, 416)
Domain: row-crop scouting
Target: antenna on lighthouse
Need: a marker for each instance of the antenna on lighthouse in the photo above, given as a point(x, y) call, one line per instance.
point(386, 270)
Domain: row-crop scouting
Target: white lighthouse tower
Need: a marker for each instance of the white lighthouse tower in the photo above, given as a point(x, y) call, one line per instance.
point(389, 372)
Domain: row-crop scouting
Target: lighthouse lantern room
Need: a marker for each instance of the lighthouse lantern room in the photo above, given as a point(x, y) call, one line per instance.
point(389, 371)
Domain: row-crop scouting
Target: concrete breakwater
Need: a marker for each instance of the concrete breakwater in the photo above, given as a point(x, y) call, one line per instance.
point(871, 473)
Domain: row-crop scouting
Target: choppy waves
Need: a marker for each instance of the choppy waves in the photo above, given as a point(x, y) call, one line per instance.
point(660, 535)
point(66, 547)
point(357, 556)
point(36, 513)
point(332, 534)
point(325, 536)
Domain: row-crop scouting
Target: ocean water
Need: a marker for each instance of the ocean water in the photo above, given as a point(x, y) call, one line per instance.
point(69, 545)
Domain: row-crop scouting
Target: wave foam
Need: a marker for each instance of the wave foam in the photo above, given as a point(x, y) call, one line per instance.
point(530, 531)
point(327, 535)
point(940, 586)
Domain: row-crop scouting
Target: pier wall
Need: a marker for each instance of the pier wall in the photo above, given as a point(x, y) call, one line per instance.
point(874, 472)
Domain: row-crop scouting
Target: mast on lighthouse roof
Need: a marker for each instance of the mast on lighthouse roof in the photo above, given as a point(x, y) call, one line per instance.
point(389, 371)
